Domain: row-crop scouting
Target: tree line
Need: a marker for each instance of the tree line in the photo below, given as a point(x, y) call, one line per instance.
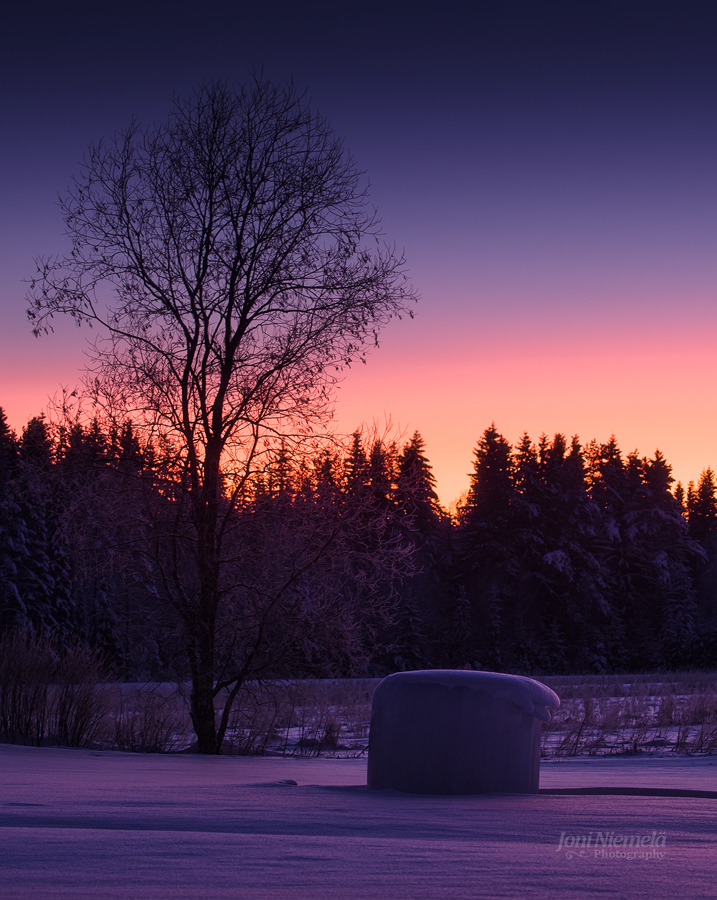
point(340, 560)
point(580, 559)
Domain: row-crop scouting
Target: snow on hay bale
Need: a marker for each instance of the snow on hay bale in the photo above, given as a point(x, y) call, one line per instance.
point(457, 732)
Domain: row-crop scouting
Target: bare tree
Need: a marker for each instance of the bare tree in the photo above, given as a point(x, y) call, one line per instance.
point(234, 266)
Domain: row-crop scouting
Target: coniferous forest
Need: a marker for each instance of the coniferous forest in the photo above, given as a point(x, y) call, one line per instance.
point(561, 558)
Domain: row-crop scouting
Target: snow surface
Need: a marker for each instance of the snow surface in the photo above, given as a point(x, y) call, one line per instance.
point(89, 824)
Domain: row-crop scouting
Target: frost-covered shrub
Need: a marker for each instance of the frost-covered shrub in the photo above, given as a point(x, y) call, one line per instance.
point(151, 718)
point(49, 693)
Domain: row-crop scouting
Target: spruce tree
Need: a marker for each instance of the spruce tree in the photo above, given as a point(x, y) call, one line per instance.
point(13, 534)
point(34, 487)
point(528, 533)
point(380, 474)
point(356, 465)
point(421, 627)
point(416, 486)
point(487, 547)
point(702, 506)
point(595, 624)
point(674, 555)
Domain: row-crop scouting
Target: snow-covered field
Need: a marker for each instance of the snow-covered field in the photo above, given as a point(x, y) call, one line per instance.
point(91, 824)
point(598, 716)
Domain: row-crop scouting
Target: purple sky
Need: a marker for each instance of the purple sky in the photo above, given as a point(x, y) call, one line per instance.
point(548, 168)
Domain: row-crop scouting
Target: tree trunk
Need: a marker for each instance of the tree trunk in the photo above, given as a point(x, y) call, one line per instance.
point(202, 702)
point(204, 650)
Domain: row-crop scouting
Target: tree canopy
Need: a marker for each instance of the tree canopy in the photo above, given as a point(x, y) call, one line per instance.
point(233, 266)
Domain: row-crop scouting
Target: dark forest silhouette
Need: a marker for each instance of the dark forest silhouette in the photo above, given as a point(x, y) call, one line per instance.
point(561, 558)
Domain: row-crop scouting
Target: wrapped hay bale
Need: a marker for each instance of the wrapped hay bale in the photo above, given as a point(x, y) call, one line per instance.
point(457, 732)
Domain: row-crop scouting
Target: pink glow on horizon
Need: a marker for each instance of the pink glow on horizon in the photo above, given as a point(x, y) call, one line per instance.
point(449, 383)
point(656, 396)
